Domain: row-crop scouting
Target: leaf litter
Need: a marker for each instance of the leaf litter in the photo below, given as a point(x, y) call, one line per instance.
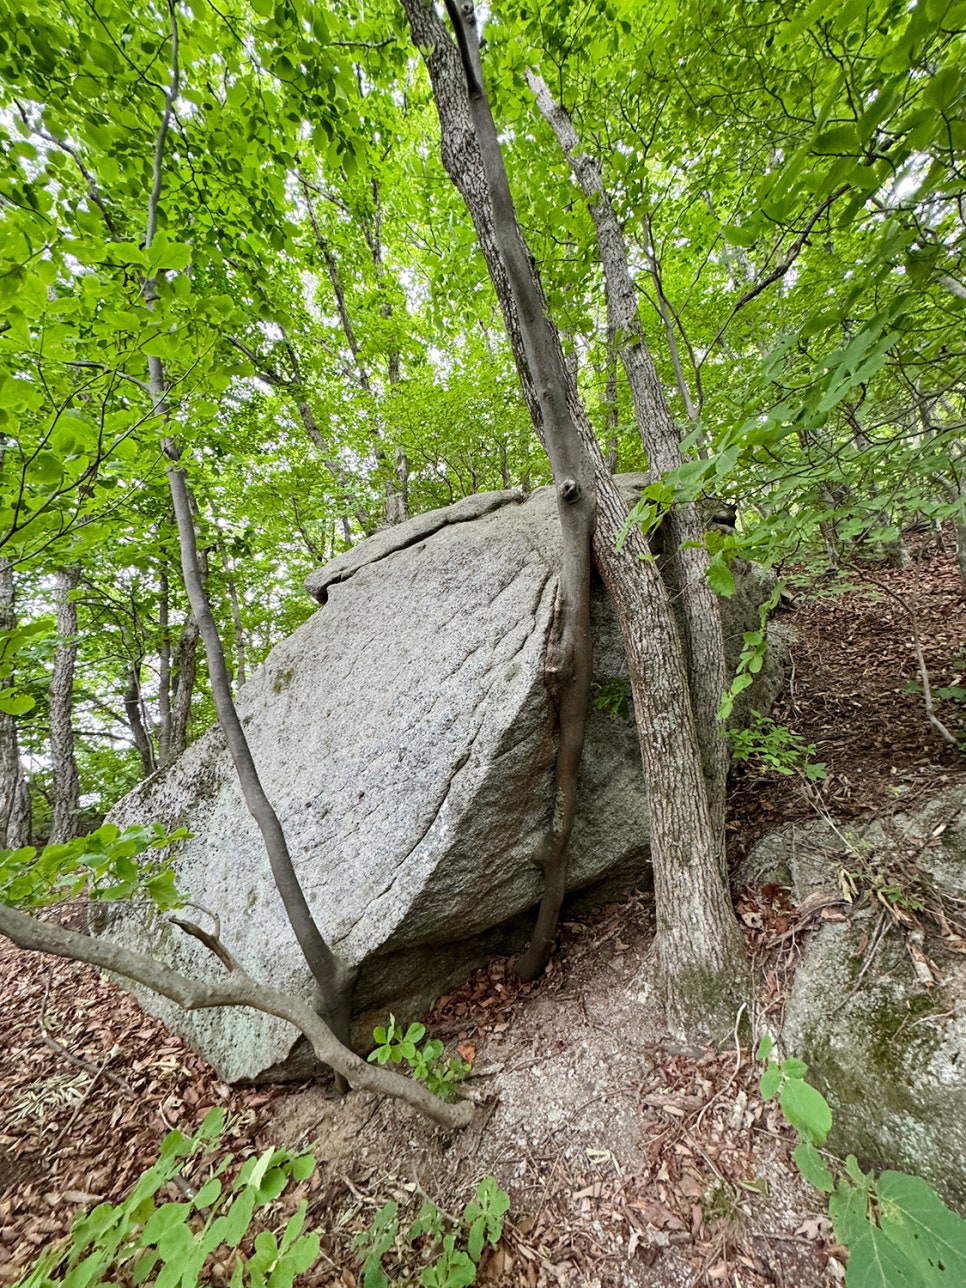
point(628, 1160)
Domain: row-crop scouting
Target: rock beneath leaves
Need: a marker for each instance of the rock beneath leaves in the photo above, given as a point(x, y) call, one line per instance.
point(405, 737)
point(877, 1009)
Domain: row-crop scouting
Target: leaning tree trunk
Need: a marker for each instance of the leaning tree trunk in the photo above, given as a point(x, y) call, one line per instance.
point(66, 780)
point(685, 561)
point(134, 713)
point(14, 793)
point(334, 979)
point(568, 662)
point(700, 961)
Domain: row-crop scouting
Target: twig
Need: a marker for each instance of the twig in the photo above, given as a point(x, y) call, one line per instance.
point(59, 1049)
point(49, 1155)
point(881, 929)
point(211, 942)
point(917, 644)
point(99, 1070)
point(737, 1069)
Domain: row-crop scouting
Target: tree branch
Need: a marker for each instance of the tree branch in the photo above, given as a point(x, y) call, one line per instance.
point(239, 989)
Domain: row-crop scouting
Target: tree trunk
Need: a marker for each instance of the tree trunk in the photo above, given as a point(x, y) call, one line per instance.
point(333, 978)
point(396, 489)
point(134, 713)
point(236, 617)
point(568, 662)
point(184, 673)
point(685, 557)
point(178, 673)
point(66, 780)
point(960, 529)
point(701, 967)
point(15, 814)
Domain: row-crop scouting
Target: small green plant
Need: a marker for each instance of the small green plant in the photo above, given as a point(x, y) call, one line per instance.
point(896, 1227)
point(773, 747)
point(374, 1242)
point(899, 889)
point(753, 653)
point(614, 698)
point(455, 1266)
point(485, 1216)
point(168, 1245)
point(426, 1063)
point(101, 865)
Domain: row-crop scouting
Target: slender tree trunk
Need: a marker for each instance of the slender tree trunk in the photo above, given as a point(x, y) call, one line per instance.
point(685, 558)
point(960, 529)
point(569, 660)
point(236, 617)
point(396, 478)
point(164, 672)
point(184, 673)
point(134, 713)
point(701, 967)
point(178, 673)
point(66, 780)
point(15, 813)
point(334, 979)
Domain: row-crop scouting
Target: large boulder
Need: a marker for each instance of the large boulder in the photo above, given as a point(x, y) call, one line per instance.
point(405, 737)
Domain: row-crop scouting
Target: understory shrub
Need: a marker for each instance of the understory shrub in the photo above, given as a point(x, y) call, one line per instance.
point(896, 1227)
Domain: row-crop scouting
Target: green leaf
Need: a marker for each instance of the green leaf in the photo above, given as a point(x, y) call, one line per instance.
point(739, 236)
point(848, 1208)
point(876, 1262)
point(720, 577)
point(862, 1179)
point(807, 1110)
point(770, 1081)
point(794, 1068)
point(303, 1166)
point(813, 1167)
point(239, 1217)
point(165, 1219)
point(208, 1194)
point(15, 704)
point(254, 1173)
point(295, 1262)
point(919, 1223)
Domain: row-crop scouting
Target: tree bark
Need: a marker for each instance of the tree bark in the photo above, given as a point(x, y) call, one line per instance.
point(568, 662)
point(700, 962)
point(685, 559)
point(15, 811)
point(66, 780)
point(236, 989)
point(134, 713)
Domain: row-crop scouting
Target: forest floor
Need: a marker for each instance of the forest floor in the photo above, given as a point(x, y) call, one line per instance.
point(628, 1161)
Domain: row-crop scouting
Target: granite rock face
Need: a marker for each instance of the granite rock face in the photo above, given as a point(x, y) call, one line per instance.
point(886, 1048)
point(405, 738)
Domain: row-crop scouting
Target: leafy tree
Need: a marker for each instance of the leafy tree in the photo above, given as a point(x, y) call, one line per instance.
point(245, 245)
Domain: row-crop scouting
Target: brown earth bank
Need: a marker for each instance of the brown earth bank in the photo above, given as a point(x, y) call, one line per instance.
point(628, 1161)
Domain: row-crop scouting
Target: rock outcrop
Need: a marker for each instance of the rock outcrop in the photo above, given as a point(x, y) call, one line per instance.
point(885, 1041)
point(405, 738)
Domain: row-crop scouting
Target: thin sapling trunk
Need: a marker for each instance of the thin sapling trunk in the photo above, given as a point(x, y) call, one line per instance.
point(568, 663)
